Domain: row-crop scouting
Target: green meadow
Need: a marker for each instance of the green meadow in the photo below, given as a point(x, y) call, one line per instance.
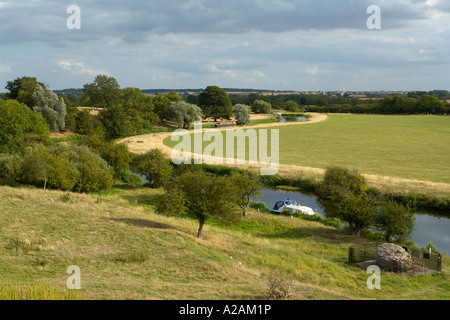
point(411, 147)
point(126, 251)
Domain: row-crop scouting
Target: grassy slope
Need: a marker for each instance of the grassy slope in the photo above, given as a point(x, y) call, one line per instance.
point(103, 235)
point(412, 147)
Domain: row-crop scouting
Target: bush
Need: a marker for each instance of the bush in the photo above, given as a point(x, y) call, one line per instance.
point(279, 287)
point(43, 168)
point(260, 106)
point(432, 247)
point(154, 166)
point(65, 167)
point(10, 167)
point(260, 206)
point(19, 127)
point(95, 173)
point(131, 178)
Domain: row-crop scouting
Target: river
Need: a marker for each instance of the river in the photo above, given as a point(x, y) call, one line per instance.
point(291, 118)
point(428, 228)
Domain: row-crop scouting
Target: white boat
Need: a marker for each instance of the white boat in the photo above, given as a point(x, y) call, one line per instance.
point(291, 206)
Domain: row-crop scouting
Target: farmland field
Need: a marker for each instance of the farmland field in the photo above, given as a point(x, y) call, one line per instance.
point(409, 147)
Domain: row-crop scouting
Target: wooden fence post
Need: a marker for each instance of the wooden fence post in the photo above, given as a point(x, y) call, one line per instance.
point(350, 254)
point(439, 263)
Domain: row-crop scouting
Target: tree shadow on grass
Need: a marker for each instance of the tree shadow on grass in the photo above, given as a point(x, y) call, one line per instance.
point(144, 199)
point(143, 223)
point(293, 233)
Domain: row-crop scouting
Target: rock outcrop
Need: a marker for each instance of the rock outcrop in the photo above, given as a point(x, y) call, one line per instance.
point(391, 257)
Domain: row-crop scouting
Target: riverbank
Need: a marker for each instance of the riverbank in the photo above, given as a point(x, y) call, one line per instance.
point(430, 195)
point(126, 251)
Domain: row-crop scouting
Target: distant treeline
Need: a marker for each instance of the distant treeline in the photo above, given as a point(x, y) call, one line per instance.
point(418, 102)
point(414, 102)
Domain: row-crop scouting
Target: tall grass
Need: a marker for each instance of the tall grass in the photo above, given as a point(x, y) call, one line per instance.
point(38, 291)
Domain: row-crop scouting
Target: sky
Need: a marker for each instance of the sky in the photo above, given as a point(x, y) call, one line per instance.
point(302, 45)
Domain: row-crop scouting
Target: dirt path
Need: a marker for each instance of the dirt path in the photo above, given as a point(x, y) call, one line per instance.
point(143, 143)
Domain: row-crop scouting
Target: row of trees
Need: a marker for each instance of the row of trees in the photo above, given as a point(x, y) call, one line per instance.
point(63, 167)
point(425, 104)
point(418, 102)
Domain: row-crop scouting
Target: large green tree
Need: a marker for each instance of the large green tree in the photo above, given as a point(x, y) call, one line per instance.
point(22, 89)
point(215, 103)
point(394, 220)
point(154, 166)
point(200, 194)
point(103, 92)
point(430, 105)
point(162, 101)
point(246, 186)
point(134, 101)
point(343, 193)
point(20, 126)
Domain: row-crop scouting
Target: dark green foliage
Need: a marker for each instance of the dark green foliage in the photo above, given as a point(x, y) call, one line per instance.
point(118, 123)
point(103, 92)
point(131, 115)
point(10, 167)
point(43, 167)
point(154, 166)
point(291, 106)
point(260, 206)
point(161, 102)
point(22, 89)
point(19, 127)
point(215, 103)
point(65, 167)
point(394, 220)
point(71, 114)
point(343, 194)
point(246, 186)
point(261, 106)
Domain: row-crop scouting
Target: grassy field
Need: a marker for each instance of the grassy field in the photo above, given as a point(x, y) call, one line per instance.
point(408, 147)
point(126, 251)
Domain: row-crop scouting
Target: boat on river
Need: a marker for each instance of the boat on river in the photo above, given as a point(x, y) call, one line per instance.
point(291, 206)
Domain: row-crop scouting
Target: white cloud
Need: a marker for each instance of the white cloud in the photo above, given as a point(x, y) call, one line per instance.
point(79, 68)
point(5, 69)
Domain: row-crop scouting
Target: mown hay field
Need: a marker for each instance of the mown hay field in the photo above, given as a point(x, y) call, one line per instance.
point(403, 147)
